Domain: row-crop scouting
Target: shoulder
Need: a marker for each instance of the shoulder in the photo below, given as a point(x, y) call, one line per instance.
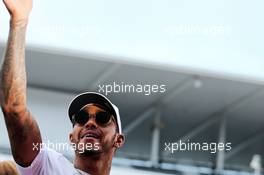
point(55, 156)
point(47, 160)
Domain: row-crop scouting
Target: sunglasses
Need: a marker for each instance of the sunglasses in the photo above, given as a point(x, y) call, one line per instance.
point(102, 118)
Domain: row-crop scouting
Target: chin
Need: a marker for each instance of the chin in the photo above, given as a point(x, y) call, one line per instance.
point(91, 152)
point(89, 147)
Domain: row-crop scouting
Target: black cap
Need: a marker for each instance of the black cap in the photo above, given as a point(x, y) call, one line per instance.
point(83, 99)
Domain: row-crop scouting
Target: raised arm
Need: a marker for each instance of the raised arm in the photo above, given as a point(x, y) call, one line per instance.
point(22, 129)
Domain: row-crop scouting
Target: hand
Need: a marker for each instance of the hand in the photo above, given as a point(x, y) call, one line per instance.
point(19, 10)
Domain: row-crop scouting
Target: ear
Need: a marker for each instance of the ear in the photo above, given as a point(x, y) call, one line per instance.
point(71, 137)
point(120, 140)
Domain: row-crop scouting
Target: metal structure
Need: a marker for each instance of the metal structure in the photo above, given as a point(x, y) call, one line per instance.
point(196, 107)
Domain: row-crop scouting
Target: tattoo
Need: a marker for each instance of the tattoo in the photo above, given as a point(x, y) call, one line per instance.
point(22, 128)
point(13, 75)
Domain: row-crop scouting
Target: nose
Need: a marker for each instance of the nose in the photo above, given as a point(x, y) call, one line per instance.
point(91, 123)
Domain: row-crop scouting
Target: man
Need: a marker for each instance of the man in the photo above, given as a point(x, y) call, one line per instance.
point(96, 123)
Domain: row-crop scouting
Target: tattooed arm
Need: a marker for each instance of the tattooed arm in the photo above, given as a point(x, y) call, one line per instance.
point(22, 129)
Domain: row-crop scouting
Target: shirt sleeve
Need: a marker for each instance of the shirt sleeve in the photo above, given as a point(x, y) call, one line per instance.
point(41, 163)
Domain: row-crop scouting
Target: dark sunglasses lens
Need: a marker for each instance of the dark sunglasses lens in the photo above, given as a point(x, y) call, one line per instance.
point(103, 118)
point(81, 117)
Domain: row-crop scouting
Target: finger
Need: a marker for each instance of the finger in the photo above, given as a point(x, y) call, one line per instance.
point(9, 5)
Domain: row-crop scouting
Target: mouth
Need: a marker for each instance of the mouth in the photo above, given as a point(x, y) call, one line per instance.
point(90, 135)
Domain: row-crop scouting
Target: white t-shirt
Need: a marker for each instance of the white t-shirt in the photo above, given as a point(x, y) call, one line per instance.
point(50, 162)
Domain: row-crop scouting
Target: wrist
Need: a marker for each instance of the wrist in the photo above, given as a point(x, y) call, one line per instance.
point(18, 22)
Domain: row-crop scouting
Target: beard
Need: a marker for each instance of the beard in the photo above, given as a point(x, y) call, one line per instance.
point(104, 147)
point(90, 153)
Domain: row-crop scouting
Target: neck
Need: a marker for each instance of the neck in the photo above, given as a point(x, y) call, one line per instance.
point(99, 164)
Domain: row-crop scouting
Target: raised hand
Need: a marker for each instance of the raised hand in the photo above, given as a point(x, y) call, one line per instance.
point(22, 129)
point(19, 10)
